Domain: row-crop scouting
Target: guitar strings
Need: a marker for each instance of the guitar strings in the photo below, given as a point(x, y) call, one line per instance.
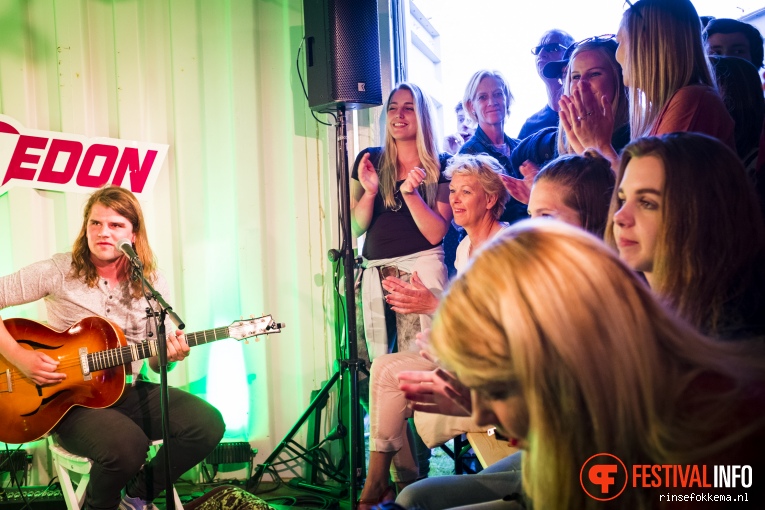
point(216, 333)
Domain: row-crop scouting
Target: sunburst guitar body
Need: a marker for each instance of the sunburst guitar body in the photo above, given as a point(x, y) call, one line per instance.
point(95, 357)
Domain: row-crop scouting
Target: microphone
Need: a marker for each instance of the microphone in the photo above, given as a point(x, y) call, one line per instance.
point(126, 247)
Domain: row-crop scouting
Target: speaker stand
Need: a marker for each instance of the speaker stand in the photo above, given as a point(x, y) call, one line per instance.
point(344, 368)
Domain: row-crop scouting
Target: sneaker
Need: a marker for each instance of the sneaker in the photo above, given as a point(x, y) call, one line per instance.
point(129, 503)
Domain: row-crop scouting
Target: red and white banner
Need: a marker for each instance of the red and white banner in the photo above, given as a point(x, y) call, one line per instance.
point(66, 162)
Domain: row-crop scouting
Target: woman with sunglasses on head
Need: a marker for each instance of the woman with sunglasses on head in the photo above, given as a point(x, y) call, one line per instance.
point(552, 45)
point(670, 81)
point(487, 103)
point(593, 61)
point(686, 217)
point(399, 198)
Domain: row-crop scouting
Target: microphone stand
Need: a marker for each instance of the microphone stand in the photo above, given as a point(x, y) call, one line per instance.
point(165, 310)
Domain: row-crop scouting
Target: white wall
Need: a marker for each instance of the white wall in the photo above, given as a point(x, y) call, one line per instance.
point(243, 212)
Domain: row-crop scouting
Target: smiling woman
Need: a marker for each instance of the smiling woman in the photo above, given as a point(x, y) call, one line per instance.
point(487, 102)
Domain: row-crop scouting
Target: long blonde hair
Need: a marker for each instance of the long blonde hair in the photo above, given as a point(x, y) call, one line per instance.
point(427, 150)
point(124, 203)
point(619, 103)
point(602, 367)
point(665, 53)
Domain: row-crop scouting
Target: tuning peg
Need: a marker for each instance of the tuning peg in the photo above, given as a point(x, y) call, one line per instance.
point(247, 342)
point(252, 316)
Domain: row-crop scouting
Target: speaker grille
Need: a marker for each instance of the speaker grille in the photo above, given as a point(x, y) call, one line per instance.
point(344, 54)
point(231, 453)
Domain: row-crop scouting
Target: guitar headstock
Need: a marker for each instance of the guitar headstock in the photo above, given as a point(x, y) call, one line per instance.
point(247, 328)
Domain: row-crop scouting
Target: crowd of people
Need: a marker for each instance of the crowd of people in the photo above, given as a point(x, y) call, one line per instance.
point(627, 317)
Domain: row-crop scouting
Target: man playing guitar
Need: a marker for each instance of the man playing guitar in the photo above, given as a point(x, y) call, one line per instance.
point(94, 280)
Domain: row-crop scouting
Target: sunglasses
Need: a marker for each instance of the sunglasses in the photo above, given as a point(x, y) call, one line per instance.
point(629, 6)
point(597, 39)
point(549, 48)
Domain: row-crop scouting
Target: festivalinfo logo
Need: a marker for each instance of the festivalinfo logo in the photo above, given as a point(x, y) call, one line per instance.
point(604, 477)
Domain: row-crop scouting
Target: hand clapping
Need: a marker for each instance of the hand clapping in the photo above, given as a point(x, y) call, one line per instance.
point(368, 176)
point(413, 180)
point(436, 391)
point(587, 120)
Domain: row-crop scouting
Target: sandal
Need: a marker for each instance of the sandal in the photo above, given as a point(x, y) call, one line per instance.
point(388, 494)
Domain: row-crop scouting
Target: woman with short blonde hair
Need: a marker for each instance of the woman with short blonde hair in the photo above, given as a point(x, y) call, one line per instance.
point(477, 197)
point(487, 103)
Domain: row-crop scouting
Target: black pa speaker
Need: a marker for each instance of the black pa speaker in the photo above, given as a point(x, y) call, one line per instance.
point(342, 54)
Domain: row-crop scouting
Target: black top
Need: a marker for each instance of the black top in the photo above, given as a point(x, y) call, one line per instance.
point(393, 233)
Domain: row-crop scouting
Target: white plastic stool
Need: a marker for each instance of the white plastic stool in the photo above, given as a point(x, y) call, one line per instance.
point(73, 487)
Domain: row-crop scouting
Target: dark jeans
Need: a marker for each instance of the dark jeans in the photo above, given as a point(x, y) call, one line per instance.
point(117, 440)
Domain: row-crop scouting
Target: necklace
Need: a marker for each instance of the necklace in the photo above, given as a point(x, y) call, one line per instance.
point(397, 202)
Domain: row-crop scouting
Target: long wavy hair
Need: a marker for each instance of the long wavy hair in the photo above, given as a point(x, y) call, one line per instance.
point(711, 239)
point(601, 366)
point(619, 102)
point(124, 203)
point(427, 149)
point(587, 182)
point(665, 53)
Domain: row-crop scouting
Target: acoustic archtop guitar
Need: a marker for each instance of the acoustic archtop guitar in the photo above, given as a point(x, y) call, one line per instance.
point(93, 354)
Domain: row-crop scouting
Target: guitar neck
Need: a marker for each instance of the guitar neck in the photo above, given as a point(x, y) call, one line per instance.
point(110, 358)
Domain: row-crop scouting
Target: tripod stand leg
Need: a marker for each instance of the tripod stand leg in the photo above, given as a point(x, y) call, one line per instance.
point(317, 400)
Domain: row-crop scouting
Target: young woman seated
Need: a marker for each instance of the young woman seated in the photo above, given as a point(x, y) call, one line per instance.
point(687, 218)
point(574, 357)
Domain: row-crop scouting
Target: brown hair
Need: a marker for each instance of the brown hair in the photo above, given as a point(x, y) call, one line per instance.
point(124, 203)
point(712, 234)
point(589, 184)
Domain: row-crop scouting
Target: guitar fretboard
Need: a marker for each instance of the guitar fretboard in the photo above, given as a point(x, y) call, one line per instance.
point(123, 355)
